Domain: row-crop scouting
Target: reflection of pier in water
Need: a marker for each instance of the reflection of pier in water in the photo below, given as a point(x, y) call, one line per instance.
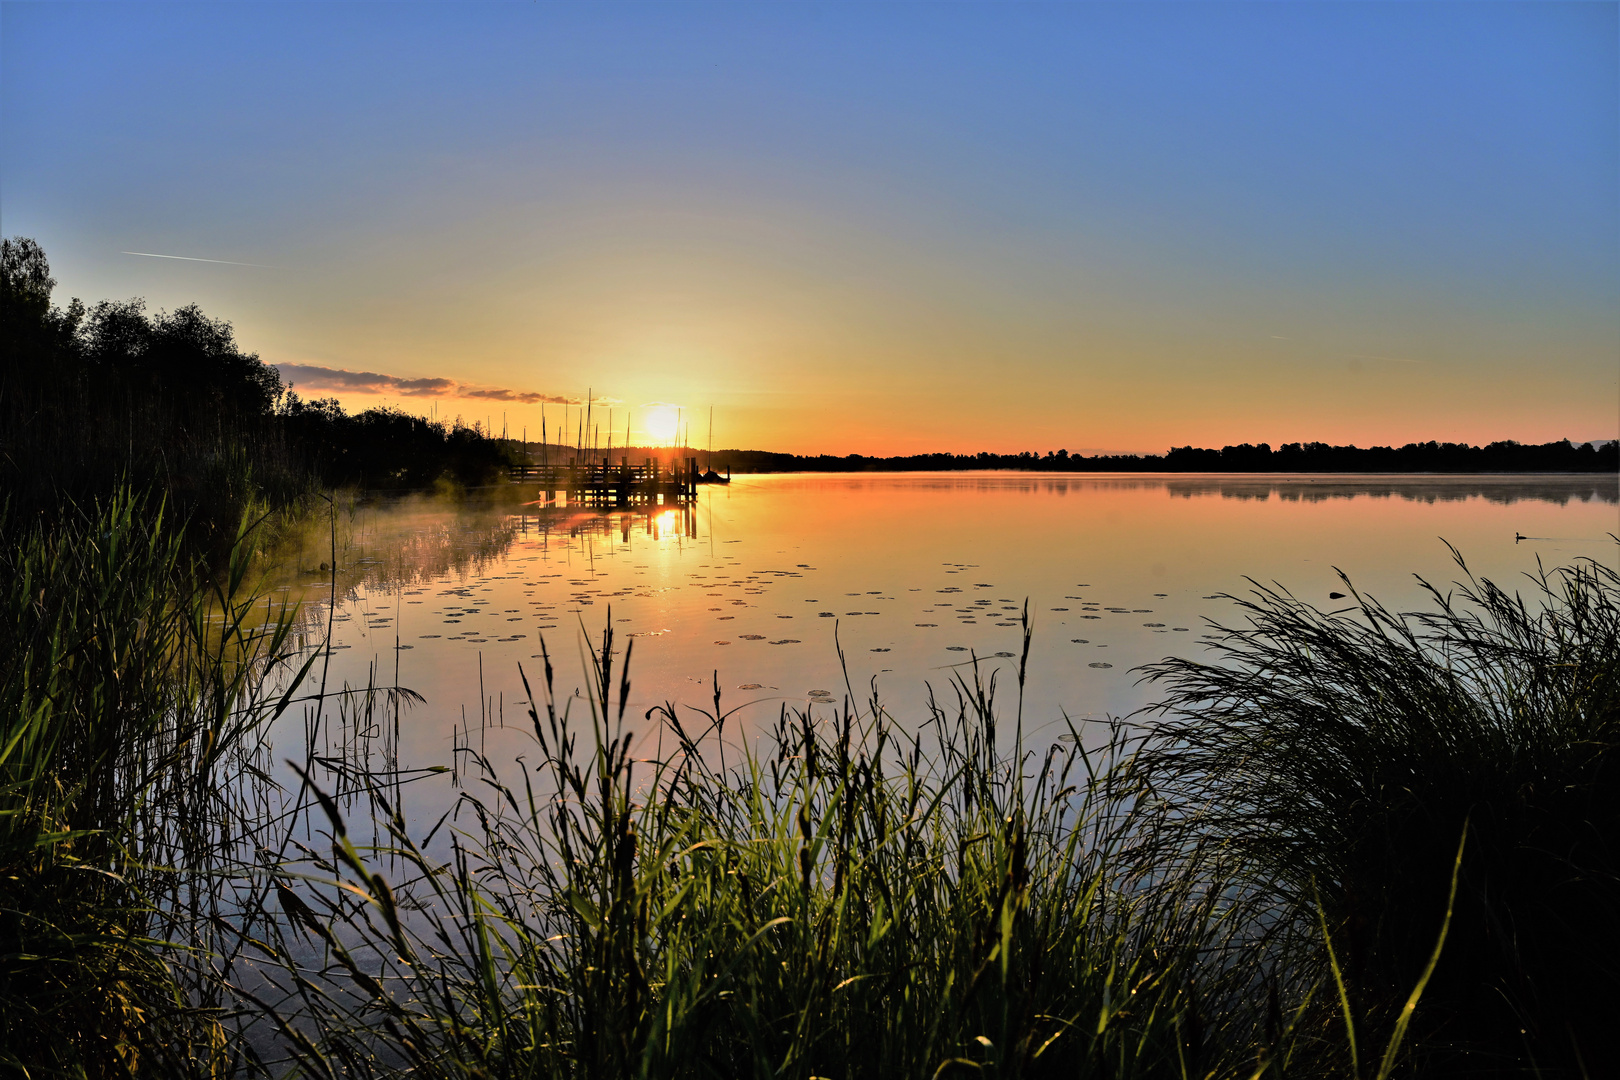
point(655, 521)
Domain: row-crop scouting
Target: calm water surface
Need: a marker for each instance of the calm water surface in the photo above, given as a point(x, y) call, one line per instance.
point(911, 575)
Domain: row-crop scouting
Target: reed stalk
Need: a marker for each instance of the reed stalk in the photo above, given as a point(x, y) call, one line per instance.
point(1328, 762)
point(132, 685)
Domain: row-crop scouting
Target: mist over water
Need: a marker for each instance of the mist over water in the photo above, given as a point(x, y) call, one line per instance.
point(913, 576)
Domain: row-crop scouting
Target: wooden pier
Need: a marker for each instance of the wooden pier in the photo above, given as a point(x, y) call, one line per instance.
point(600, 482)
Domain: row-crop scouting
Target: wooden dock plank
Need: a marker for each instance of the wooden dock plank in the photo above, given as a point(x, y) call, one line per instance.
point(602, 482)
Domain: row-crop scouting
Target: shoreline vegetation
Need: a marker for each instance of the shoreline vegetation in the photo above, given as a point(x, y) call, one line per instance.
point(1430, 457)
point(1357, 843)
point(1505, 457)
point(95, 400)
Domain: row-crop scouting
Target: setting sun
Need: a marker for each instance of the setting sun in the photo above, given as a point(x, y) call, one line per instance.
point(662, 423)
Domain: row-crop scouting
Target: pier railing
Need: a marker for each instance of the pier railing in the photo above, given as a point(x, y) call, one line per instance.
point(605, 482)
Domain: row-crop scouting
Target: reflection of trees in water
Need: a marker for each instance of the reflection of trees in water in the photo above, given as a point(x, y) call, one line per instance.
point(1033, 483)
point(1560, 490)
point(1498, 488)
point(415, 542)
point(447, 545)
point(398, 545)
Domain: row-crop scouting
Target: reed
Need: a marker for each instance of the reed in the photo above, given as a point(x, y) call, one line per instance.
point(1329, 762)
point(131, 684)
point(846, 901)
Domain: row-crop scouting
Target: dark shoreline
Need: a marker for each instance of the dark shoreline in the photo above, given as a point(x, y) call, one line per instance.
point(1504, 457)
point(1442, 459)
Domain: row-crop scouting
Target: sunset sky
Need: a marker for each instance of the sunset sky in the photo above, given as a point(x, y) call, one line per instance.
point(859, 227)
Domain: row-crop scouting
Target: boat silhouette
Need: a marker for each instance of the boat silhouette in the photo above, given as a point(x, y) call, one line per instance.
point(712, 477)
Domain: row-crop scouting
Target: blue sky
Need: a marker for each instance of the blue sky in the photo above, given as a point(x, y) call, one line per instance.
point(860, 226)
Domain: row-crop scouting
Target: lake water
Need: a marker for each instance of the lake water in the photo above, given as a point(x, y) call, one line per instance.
point(762, 582)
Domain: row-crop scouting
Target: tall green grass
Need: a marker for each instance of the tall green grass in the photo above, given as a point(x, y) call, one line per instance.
point(1329, 763)
point(132, 686)
point(846, 901)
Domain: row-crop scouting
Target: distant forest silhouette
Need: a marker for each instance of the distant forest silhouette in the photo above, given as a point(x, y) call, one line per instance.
point(1429, 457)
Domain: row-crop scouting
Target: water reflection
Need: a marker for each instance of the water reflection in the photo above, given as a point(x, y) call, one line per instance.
point(1504, 490)
point(1559, 489)
point(654, 522)
point(806, 589)
point(397, 542)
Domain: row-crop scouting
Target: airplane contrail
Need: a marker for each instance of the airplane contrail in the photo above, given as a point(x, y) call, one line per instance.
point(191, 258)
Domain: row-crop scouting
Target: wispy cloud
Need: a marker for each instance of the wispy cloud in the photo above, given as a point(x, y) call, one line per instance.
point(500, 393)
point(310, 377)
point(529, 397)
point(313, 377)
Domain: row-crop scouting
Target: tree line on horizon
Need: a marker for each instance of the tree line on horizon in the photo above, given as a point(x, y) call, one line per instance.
point(96, 396)
point(1314, 457)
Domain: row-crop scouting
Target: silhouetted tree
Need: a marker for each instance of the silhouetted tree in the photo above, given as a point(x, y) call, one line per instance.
point(93, 397)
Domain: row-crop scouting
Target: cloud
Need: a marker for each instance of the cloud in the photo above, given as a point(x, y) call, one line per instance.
point(525, 397)
point(313, 377)
point(365, 382)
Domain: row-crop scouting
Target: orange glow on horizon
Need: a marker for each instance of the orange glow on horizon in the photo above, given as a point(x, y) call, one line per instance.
point(831, 424)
